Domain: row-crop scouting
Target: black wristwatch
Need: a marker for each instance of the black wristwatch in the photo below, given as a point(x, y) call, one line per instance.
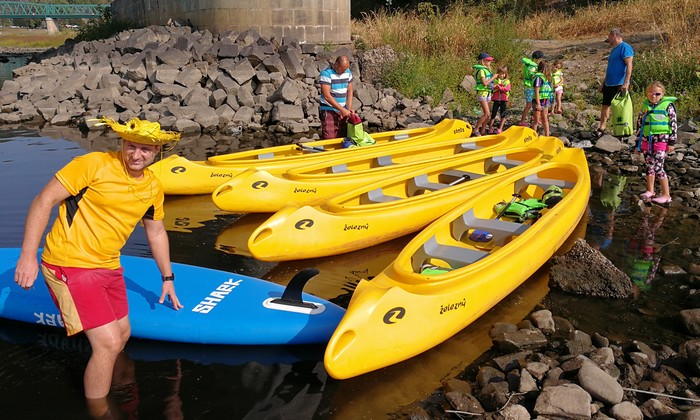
point(168, 278)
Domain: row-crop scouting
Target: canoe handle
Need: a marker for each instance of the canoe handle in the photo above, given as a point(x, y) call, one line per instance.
point(292, 293)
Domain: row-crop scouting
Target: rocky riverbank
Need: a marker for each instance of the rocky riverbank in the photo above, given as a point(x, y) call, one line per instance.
point(543, 367)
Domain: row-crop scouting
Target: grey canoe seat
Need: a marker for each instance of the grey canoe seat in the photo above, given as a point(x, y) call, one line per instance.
point(533, 179)
point(377, 196)
point(385, 160)
point(502, 160)
point(266, 155)
point(468, 146)
point(336, 169)
point(422, 183)
point(500, 229)
point(455, 256)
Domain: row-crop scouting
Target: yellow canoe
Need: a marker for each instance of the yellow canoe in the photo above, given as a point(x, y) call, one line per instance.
point(179, 175)
point(402, 313)
point(259, 191)
point(391, 208)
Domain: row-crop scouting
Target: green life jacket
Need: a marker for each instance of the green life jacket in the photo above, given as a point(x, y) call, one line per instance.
point(487, 75)
point(521, 211)
point(546, 91)
point(529, 69)
point(557, 78)
point(655, 118)
point(530, 208)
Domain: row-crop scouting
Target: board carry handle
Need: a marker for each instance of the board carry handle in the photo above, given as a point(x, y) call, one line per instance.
point(292, 293)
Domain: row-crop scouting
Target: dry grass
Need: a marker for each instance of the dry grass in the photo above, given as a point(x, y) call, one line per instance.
point(676, 21)
point(425, 31)
point(32, 38)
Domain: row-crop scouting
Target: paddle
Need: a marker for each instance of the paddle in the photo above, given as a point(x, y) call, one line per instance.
point(462, 178)
point(310, 148)
point(503, 211)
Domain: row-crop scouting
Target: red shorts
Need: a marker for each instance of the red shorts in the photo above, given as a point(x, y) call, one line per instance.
point(87, 297)
point(333, 126)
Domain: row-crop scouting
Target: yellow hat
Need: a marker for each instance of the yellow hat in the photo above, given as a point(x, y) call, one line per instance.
point(142, 132)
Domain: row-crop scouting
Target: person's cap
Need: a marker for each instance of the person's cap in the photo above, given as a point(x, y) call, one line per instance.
point(484, 56)
point(537, 55)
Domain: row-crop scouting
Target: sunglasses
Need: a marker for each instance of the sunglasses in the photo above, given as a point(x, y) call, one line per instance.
point(655, 94)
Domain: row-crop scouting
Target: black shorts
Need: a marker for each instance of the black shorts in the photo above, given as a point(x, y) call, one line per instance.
point(499, 107)
point(609, 93)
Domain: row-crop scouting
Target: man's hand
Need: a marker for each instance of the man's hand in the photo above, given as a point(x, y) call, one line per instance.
point(26, 271)
point(169, 291)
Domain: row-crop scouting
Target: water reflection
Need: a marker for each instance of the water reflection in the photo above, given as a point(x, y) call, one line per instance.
point(643, 258)
point(173, 380)
point(608, 189)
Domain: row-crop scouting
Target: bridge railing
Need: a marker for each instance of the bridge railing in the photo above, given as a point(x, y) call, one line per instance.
point(22, 10)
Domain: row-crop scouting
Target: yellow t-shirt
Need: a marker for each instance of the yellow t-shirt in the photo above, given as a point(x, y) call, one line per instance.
point(105, 205)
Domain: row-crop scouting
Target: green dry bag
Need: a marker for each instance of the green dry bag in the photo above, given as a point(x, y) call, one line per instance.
point(622, 114)
point(356, 133)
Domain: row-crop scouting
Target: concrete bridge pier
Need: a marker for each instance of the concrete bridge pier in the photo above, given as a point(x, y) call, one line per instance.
point(51, 26)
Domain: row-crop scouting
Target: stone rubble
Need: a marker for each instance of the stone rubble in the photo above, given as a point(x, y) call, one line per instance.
point(569, 375)
point(196, 83)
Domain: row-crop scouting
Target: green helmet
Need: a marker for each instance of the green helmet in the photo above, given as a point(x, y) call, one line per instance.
point(552, 195)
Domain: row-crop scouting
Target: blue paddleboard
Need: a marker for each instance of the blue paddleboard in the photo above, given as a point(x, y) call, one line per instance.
point(220, 307)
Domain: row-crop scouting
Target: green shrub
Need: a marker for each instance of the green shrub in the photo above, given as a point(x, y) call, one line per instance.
point(103, 28)
point(678, 72)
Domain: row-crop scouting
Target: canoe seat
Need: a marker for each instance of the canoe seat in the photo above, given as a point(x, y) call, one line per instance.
point(502, 160)
point(266, 155)
point(385, 160)
point(455, 256)
point(500, 229)
point(543, 183)
point(377, 196)
point(468, 146)
point(400, 137)
point(421, 183)
point(337, 169)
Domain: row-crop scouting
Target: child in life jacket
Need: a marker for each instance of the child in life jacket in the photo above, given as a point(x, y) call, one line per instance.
point(656, 136)
point(558, 85)
point(541, 97)
point(484, 79)
point(501, 91)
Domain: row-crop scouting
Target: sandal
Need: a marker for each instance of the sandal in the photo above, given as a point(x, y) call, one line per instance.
point(599, 133)
point(661, 200)
point(647, 195)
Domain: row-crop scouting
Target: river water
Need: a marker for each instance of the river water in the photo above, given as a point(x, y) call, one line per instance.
point(167, 380)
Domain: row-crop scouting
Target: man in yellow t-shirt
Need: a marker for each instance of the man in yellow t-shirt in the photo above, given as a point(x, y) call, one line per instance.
point(101, 198)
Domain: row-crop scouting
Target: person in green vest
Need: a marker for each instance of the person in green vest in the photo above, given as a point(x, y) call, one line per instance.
point(558, 85)
point(529, 69)
point(484, 79)
point(657, 129)
point(643, 258)
point(541, 98)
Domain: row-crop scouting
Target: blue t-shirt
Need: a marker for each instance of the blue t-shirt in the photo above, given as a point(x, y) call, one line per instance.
point(615, 74)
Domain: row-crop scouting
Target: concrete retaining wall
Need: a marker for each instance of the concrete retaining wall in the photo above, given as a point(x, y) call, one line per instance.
point(314, 21)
